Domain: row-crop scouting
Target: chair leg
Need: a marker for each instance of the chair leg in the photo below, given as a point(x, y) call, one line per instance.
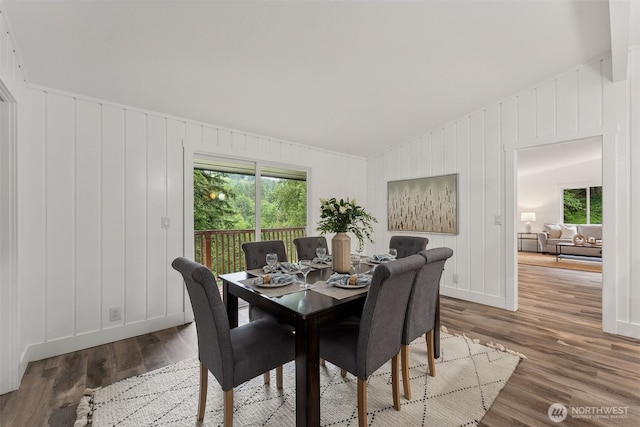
point(343, 373)
point(228, 408)
point(204, 379)
point(406, 383)
point(394, 382)
point(279, 377)
point(362, 403)
point(431, 360)
point(267, 377)
point(322, 362)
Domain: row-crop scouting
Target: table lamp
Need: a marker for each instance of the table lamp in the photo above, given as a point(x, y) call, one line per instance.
point(528, 217)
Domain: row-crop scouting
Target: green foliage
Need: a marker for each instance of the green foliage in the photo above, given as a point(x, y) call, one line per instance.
point(208, 213)
point(575, 205)
point(284, 202)
point(339, 216)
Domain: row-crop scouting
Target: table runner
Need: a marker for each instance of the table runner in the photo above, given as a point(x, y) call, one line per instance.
point(337, 293)
point(275, 292)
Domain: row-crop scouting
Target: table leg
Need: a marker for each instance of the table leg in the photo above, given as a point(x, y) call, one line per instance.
point(436, 332)
point(231, 302)
point(307, 373)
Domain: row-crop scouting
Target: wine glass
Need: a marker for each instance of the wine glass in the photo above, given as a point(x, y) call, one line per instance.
point(272, 260)
point(355, 262)
point(393, 253)
point(305, 267)
point(321, 253)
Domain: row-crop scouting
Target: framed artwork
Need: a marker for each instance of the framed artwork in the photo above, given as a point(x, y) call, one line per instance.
point(424, 204)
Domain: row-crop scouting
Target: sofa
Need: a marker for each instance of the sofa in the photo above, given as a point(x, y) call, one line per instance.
point(557, 233)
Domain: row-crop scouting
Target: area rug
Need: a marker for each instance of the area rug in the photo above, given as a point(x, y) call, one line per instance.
point(468, 378)
point(549, 260)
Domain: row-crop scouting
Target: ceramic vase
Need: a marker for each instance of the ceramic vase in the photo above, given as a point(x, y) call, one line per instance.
point(340, 253)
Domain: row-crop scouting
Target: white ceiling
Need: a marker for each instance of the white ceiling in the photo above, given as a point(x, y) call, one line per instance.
point(353, 77)
point(557, 156)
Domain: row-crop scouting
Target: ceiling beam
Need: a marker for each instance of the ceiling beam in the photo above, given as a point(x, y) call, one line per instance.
point(619, 16)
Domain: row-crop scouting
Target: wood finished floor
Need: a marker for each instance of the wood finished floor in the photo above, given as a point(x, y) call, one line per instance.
point(558, 327)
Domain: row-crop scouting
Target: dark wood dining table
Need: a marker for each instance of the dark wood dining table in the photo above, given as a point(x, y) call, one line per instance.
point(307, 311)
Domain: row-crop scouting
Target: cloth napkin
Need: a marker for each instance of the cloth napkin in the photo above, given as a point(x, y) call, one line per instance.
point(276, 279)
point(284, 267)
point(343, 279)
point(380, 258)
point(326, 260)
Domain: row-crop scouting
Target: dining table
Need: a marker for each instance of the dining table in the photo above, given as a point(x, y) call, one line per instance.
point(306, 310)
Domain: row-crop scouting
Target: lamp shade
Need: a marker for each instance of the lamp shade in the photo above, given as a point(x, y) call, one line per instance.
point(528, 216)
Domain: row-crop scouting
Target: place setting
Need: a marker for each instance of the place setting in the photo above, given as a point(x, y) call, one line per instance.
point(280, 278)
point(343, 285)
point(382, 258)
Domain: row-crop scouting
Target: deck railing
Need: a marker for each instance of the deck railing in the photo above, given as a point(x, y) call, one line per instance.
point(221, 250)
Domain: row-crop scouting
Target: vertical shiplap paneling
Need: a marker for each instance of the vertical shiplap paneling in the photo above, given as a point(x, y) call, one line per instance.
point(590, 98)
point(225, 139)
point(459, 263)
point(546, 109)
point(210, 137)
point(112, 190)
point(156, 210)
point(31, 219)
point(493, 202)
point(175, 212)
point(136, 216)
point(60, 216)
point(509, 121)
point(238, 143)
point(426, 156)
point(404, 162)
point(476, 201)
point(567, 103)
point(414, 157)
point(88, 217)
point(450, 149)
point(251, 144)
point(527, 115)
point(263, 146)
point(437, 151)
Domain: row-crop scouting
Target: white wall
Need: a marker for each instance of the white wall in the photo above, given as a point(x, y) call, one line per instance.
point(482, 148)
point(11, 81)
point(99, 179)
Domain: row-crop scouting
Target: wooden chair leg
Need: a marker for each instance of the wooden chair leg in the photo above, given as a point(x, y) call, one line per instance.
point(430, 358)
point(267, 377)
point(204, 381)
point(322, 363)
point(343, 373)
point(279, 377)
point(406, 383)
point(394, 382)
point(228, 408)
point(362, 403)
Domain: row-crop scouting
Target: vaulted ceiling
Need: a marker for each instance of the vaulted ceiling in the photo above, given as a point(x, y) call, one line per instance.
point(353, 77)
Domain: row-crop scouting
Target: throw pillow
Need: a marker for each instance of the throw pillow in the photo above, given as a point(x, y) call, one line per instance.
point(553, 230)
point(568, 231)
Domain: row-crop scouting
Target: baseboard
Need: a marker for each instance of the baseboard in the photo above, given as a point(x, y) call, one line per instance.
point(60, 346)
point(493, 301)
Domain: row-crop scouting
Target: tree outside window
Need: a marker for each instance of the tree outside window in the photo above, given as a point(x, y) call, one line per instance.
point(582, 205)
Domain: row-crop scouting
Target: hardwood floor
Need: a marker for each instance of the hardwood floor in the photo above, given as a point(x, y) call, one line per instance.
point(558, 327)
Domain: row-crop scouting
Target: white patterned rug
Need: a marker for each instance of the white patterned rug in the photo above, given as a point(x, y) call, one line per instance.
point(468, 378)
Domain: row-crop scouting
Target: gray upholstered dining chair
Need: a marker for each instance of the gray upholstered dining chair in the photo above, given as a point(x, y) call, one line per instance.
point(361, 345)
point(229, 354)
point(255, 253)
point(255, 257)
point(306, 246)
point(408, 245)
point(421, 310)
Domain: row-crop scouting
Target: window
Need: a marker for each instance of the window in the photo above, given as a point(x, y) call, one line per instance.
point(582, 205)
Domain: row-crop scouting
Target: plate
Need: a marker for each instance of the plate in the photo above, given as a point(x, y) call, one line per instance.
point(287, 282)
point(351, 286)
